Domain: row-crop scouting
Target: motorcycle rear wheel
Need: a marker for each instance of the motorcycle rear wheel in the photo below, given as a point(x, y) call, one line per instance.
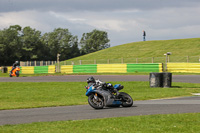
point(127, 100)
point(95, 103)
point(10, 74)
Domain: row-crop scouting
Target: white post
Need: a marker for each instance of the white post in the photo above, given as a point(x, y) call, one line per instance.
point(168, 58)
point(166, 63)
point(58, 55)
point(199, 59)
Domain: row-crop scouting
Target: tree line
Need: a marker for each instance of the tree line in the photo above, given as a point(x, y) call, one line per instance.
point(28, 44)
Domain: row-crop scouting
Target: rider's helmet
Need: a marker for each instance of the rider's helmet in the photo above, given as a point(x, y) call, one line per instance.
point(16, 62)
point(90, 80)
point(109, 85)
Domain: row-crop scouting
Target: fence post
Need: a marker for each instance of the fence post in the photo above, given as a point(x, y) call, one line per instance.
point(168, 58)
point(108, 61)
point(122, 60)
point(95, 61)
point(199, 59)
point(187, 59)
point(136, 60)
point(152, 59)
point(80, 62)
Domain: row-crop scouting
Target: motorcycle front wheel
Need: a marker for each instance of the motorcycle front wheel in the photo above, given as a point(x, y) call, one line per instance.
point(95, 101)
point(17, 73)
point(127, 100)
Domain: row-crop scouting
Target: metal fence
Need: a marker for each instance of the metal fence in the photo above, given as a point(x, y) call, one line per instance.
point(37, 63)
point(172, 59)
point(188, 59)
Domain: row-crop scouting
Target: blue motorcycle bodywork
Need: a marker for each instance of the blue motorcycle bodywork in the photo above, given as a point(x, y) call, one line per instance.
point(109, 100)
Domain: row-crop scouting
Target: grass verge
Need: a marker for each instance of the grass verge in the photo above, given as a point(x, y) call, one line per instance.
point(15, 95)
point(60, 74)
point(185, 123)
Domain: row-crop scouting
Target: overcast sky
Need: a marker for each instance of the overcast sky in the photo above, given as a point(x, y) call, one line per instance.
point(123, 20)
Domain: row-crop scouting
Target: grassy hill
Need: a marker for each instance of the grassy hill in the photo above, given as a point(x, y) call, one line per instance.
point(180, 48)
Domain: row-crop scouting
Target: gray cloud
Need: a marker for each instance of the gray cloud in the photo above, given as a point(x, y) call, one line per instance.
point(124, 20)
point(92, 5)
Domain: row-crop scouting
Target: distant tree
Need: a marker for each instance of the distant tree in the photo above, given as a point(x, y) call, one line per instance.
point(1, 48)
point(61, 41)
point(32, 47)
point(94, 41)
point(10, 45)
point(28, 44)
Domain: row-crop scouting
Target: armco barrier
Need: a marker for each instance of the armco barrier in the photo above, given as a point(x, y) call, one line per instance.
point(112, 68)
point(85, 68)
point(183, 67)
point(146, 67)
point(27, 70)
point(35, 69)
point(9, 69)
point(41, 69)
point(51, 69)
point(67, 69)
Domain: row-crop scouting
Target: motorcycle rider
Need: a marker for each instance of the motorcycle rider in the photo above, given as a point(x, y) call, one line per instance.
point(91, 81)
point(103, 85)
point(14, 65)
point(110, 86)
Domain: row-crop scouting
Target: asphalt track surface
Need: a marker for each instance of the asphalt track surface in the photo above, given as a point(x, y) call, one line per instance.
point(106, 78)
point(80, 112)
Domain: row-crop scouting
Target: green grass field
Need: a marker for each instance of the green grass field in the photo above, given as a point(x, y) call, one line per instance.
point(16, 95)
point(60, 74)
point(180, 48)
point(170, 123)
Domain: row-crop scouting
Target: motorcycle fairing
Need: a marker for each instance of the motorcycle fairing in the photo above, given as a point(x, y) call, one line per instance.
point(108, 99)
point(118, 86)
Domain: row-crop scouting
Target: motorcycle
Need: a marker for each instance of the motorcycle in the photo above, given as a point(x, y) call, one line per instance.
point(99, 97)
point(14, 72)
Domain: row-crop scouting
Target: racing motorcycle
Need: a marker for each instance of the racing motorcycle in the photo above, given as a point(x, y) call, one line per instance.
point(14, 72)
point(100, 96)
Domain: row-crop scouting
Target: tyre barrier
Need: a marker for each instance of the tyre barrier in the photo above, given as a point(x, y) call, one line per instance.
point(163, 79)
